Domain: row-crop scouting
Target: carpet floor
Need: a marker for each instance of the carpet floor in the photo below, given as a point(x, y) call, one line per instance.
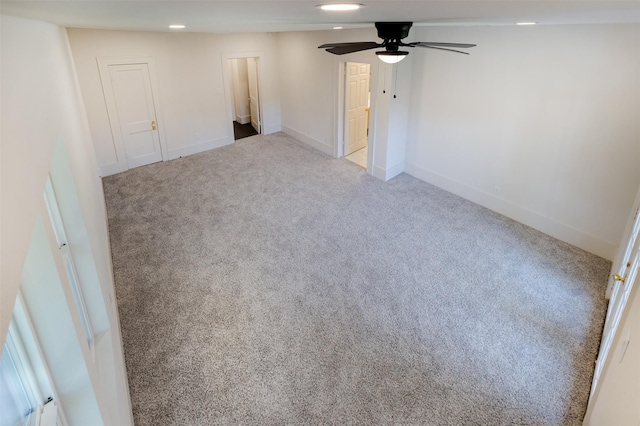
point(267, 283)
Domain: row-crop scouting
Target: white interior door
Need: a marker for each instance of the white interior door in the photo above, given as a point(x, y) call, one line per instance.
point(624, 274)
point(616, 402)
point(135, 113)
point(356, 107)
point(254, 97)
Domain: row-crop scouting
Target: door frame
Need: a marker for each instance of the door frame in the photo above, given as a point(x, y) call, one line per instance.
point(228, 88)
point(110, 101)
point(339, 100)
point(258, 120)
point(347, 93)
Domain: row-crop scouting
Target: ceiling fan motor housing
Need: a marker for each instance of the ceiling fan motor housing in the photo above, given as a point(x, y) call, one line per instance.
point(393, 30)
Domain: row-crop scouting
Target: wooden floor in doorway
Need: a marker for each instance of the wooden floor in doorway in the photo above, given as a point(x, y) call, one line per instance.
point(243, 130)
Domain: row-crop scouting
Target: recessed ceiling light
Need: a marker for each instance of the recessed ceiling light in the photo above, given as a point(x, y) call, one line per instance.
point(526, 23)
point(340, 6)
point(337, 28)
point(177, 26)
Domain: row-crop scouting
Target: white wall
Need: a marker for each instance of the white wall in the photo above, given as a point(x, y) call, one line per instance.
point(540, 123)
point(54, 325)
point(192, 90)
point(392, 117)
point(41, 106)
point(307, 76)
point(310, 95)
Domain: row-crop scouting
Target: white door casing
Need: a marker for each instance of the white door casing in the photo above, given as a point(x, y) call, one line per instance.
point(254, 97)
point(227, 76)
point(356, 106)
point(131, 98)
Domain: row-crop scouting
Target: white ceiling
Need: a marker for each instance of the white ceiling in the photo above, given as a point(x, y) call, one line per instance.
point(225, 16)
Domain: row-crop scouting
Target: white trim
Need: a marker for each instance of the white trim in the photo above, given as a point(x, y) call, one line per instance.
point(110, 169)
point(379, 173)
point(47, 414)
point(389, 173)
point(339, 101)
point(243, 119)
point(22, 366)
point(228, 89)
point(561, 231)
point(64, 249)
point(337, 149)
point(395, 170)
point(314, 143)
point(103, 69)
point(26, 332)
point(199, 147)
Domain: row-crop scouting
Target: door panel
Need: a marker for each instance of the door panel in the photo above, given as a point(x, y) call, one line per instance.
point(136, 115)
point(617, 401)
point(254, 97)
point(356, 107)
point(626, 268)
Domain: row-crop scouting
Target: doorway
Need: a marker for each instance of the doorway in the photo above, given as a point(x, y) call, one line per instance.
point(357, 107)
point(245, 97)
point(129, 87)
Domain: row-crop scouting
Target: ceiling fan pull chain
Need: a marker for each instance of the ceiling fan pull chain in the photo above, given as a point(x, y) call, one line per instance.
point(384, 83)
point(395, 83)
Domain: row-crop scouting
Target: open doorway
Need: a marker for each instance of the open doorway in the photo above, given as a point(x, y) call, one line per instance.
point(245, 99)
point(357, 107)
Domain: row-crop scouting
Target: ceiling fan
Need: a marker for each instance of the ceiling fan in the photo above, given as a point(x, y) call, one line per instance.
point(391, 34)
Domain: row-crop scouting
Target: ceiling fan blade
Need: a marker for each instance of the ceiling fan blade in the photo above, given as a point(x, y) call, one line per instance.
point(356, 47)
point(329, 45)
point(429, 44)
point(441, 48)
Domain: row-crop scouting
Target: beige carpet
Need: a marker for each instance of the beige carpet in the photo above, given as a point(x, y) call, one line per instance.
point(266, 283)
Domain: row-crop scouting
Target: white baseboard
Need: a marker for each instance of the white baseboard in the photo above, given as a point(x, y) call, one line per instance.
point(380, 173)
point(561, 231)
point(199, 147)
point(320, 146)
point(114, 168)
point(395, 170)
point(110, 169)
point(390, 173)
point(243, 119)
point(271, 129)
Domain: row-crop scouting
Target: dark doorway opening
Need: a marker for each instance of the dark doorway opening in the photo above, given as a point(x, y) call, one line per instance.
point(243, 130)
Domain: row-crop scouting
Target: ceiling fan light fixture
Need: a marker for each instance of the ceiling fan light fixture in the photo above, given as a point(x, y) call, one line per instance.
point(392, 34)
point(340, 7)
point(392, 57)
